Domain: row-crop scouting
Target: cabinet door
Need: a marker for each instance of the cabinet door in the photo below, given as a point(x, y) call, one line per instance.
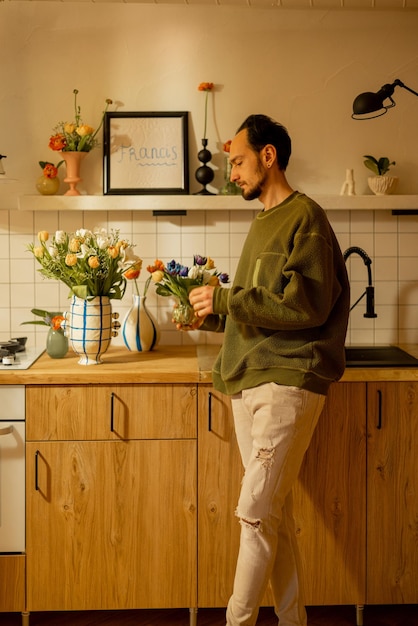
point(111, 525)
point(219, 479)
point(330, 501)
point(329, 506)
point(12, 582)
point(142, 411)
point(392, 509)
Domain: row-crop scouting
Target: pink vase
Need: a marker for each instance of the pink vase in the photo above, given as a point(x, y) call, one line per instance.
point(73, 162)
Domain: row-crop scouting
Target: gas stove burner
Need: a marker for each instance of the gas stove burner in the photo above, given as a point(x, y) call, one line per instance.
point(17, 357)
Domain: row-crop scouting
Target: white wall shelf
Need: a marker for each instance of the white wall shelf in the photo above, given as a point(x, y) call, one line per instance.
point(199, 203)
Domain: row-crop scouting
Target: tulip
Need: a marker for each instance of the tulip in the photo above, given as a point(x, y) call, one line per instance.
point(84, 130)
point(113, 252)
point(157, 276)
point(94, 262)
point(71, 260)
point(38, 252)
point(74, 245)
point(43, 235)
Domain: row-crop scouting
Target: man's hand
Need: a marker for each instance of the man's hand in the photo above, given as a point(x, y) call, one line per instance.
point(201, 299)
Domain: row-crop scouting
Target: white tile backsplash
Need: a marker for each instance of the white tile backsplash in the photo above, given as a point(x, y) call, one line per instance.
point(391, 241)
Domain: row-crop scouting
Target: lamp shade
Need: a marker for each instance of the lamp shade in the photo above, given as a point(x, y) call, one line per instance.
point(368, 102)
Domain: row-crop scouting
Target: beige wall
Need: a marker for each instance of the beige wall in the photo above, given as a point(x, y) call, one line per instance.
point(302, 67)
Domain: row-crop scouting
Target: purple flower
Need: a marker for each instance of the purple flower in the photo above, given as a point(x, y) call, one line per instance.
point(184, 271)
point(223, 278)
point(200, 260)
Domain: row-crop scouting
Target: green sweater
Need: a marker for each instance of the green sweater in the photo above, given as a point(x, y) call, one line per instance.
point(285, 316)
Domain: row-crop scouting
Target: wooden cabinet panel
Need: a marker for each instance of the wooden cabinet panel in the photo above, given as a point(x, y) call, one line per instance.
point(86, 412)
point(12, 582)
point(330, 501)
point(111, 525)
point(392, 509)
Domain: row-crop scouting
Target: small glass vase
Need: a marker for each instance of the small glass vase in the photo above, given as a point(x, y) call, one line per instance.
point(56, 344)
point(184, 314)
point(48, 186)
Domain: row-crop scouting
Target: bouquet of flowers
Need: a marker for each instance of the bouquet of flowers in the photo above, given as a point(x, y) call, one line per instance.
point(90, 263)
point(177, 280)
point(76, 136)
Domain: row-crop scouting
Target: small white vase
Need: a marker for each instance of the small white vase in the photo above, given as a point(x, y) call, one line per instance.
point(382, 185)
point(139, 328)
point(89, 328)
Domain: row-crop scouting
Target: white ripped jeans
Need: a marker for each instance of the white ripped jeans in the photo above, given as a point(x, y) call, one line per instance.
point(274, 426)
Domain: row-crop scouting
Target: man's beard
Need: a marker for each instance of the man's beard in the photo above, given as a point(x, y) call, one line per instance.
point(254, 192)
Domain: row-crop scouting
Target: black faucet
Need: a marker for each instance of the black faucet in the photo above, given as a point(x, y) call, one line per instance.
point(369, 293)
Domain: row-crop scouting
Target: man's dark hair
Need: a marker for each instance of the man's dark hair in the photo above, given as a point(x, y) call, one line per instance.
point(262, 130)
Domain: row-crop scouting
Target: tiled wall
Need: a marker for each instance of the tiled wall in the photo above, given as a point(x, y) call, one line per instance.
point(391, 241)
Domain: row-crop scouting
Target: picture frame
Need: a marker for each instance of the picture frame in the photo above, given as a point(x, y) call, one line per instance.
point(145, 153)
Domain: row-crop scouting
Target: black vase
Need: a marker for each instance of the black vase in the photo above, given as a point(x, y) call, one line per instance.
point(204, 174)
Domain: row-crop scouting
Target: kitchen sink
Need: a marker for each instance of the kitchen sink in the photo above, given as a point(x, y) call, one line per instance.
point(378, 356)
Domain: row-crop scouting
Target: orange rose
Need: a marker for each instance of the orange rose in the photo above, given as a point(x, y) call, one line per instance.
point(57, 142)
point(205, 87)
point(50, 171)
point(56, 321)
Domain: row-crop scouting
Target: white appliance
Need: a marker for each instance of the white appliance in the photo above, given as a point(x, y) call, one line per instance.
point(12, 468)
point(21, 360)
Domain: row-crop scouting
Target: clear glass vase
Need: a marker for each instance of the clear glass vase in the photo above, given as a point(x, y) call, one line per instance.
point(183, 313)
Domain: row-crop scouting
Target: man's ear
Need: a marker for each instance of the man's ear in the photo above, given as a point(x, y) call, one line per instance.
point(269, 154)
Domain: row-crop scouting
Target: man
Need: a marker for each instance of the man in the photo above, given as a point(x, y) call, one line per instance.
point(285, 320)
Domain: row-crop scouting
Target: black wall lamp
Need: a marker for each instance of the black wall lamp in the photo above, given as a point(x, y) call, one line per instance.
point(369, 105)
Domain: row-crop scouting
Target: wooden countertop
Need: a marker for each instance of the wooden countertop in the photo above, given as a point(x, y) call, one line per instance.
point(166, 364)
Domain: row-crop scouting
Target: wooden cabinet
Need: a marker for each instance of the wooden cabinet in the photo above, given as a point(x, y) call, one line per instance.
point(392, 503)
point(111, 497)
point(12, 582)
point(330, 500)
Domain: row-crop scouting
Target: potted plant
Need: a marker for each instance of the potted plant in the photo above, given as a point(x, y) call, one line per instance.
point(381, 184)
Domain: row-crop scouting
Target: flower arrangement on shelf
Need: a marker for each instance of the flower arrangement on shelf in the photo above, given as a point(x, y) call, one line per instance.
point(51, 319)
point(49, 170)
point(207, 88)
point(177, 280)
point(76, 136)
point(90, 263)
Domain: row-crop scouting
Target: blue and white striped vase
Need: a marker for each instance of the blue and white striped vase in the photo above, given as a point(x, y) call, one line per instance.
point(139, 328)
point(89, 327)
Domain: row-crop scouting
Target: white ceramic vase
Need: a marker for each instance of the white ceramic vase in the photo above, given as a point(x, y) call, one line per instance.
point(139, 328)
point(382, 185)
point(89, 328)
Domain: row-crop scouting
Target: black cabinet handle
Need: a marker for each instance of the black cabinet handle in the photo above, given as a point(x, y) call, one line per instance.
point(112, 411)
point(379, 410)
point(209, 411)
point(36, 470)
